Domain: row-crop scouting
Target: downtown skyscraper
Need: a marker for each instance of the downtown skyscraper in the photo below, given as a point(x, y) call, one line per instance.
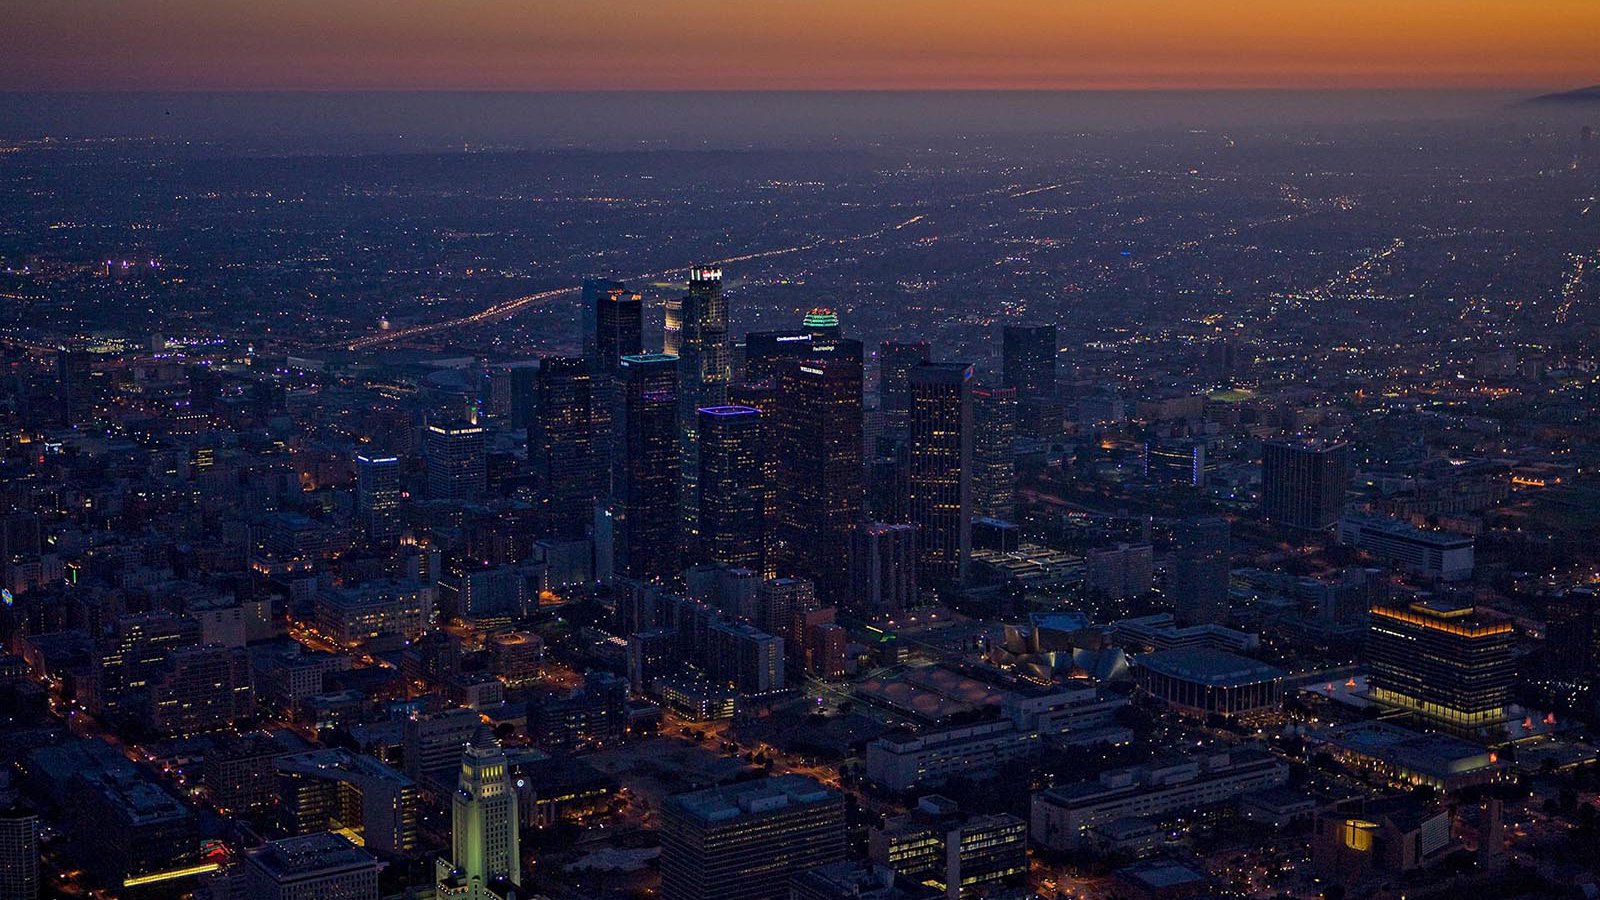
point(821, 489)
point(646, 482)
point(704, 373)
point(732, 487)
point(940, 475)
point(564, 444)
point(896, 359)
point(1303, 483)
point(613, 323)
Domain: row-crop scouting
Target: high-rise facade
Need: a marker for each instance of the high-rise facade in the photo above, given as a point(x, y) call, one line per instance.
point(1200, 571)
point(485, 841)
point(1028, 359)
point(821, 488)
point(647, 481)
point(940, 477)
point(994, 470)
point(378, 495)
point(883, 569)
point(705, 359)
point(456, 458)
point(564, 443)
point(732, 487)
point(1450, 664)
point(613, 319)
point(745, 841)
point(1303, 483)
point(19, 853)
point(896, 359)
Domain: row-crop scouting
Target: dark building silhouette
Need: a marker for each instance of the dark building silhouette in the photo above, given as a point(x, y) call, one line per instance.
point(896, 359)
point(1303, 483)
point(563, 446)
point(994, 472)
point(940, 477)
point(1028, 359)
point(732, 487)
point(1199, 582)
point(821, 492)
point(647, 468)
point(613, 323)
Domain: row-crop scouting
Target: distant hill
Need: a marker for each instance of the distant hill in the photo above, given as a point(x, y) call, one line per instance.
point(1584, 96)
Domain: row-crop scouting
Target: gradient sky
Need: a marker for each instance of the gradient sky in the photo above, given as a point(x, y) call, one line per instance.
point(795, 44)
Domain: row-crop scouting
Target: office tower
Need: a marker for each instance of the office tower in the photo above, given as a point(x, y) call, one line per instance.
point(1572, 633)
point(745, 841)
point(524, 378)
point(378, 495)
point(321, 866)
point(379, 613)
point(647, 469)
point(764, 352)
point(19, 853)
point(75, 391)
point(994, 472)
point(613, 319)
point(241, 775)
point(456, 460)
point(129, 832)
point(821, 494)
point(963, 856)
point(591, 716)
point(821, 323)
point(940, 476)
point(1119, 573)
point(704, 373)
point(896, 359)
point(1303, 483)
point(564, 443)
point(433, 743)
point(732, 487)
point(130, 657)
point(1028, 359)
point(779, 600)
point(745, 658)
point(1199, 583)
point(1181, 462)
point(1450, 664)
point(339, 790)
point(672, 326)
point(883, 570)
point(485, 843)
point(201, 689)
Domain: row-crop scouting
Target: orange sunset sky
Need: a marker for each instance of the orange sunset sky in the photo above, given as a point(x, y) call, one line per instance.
point(796, 44)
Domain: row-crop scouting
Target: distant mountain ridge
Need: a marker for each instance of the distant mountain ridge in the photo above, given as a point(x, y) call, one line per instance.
point(1583, 96)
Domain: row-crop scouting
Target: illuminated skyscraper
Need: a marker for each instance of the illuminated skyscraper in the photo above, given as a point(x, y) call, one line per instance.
point(1303, 483)
point(821, 489)
point(457, 465)
point(994, 471)
point(613, 323)
point(1450, 664)
point(647, 479)
point(941, 471)
point(378, 495)
point(672, 326)
point(896, 359)
point(732, 486)
point(563, 445)
point(822, 323)
point(485, 844)
point(704, 373)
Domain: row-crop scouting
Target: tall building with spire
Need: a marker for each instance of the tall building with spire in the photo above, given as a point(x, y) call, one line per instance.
point(704, 373)
point(485, 844)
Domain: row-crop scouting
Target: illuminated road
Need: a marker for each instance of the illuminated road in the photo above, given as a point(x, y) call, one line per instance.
point(511, 307)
